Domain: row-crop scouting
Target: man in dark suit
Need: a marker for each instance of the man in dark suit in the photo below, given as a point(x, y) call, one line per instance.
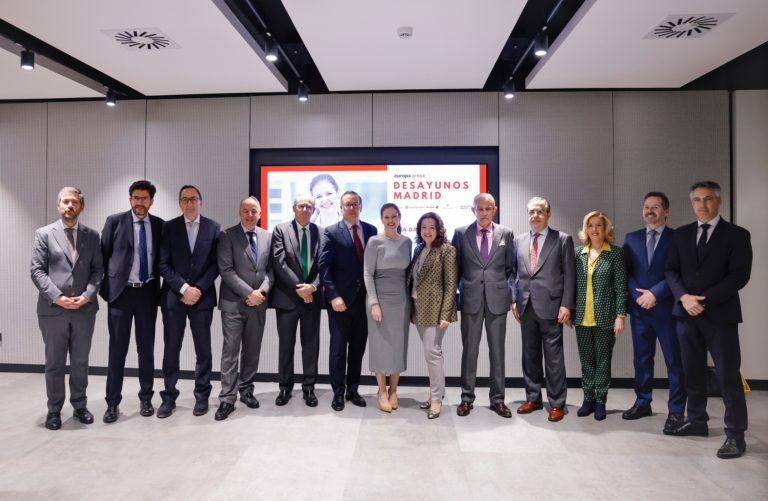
point(130, 246)
point(544, 295)
point(650, 308)
point(485, 252)
point(295, 297)
point(189, 271)
point(246, 277)
point(709, 262)
point(341, 272)
point(67, 270)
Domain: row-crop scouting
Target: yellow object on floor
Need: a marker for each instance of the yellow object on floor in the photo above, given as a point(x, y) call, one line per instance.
point(747, 389)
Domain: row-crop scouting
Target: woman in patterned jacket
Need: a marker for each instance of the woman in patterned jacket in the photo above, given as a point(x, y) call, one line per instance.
point(601, 307)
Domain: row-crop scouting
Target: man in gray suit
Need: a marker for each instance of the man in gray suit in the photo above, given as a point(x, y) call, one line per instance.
point(295, 297)
point(485, 252)
point(544, 294)
point(67, 270)
point(246, 277)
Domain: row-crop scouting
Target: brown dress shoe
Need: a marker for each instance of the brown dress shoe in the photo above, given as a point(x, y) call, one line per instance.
point(501, 409)
point(529, 407)
point(464, 408)
point(556, 414)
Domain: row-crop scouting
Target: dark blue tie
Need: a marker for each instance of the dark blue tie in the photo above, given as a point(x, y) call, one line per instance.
point(702, 244)
point(143, 258)
point(254, 249)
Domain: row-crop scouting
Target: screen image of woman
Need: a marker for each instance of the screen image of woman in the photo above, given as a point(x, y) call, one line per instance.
point(325, 191)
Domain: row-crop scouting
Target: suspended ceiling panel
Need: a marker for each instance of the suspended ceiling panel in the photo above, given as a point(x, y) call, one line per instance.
point(355, 44)
point(649, 43)
point(187, 46)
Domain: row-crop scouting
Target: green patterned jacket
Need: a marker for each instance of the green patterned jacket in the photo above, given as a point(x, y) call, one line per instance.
point(609, 286)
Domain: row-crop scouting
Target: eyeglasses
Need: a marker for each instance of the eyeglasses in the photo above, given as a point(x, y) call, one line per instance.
point(190, 200)
point(351, 206)
point(305, 206)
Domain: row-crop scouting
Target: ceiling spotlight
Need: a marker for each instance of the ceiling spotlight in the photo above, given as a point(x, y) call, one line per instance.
point(303, 93)
point(508, 89)
point(111, 99)
point(541, 44)
point(27, 59)
point(270, 50)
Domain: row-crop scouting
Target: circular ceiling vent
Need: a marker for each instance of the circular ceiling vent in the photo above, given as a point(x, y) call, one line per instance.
point(687, 25)
point(141, 39)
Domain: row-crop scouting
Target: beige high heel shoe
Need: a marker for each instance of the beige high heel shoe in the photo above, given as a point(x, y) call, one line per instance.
point(393, 401)
point(384, 404)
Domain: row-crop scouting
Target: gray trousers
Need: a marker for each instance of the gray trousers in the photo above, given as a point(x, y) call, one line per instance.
point(432, 339)
point(242, 340)
point(68, 333)
point(471, 334)
point(543, 336)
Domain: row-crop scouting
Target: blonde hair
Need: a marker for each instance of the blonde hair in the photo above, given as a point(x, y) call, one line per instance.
point(609, 237)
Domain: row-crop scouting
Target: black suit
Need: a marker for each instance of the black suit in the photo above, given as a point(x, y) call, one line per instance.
point(128, 303)
point(290, 308)
point(341, 272)
point(724, 270)
point(179, 265)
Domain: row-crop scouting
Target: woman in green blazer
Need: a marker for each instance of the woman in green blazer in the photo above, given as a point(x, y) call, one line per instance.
point(601, 306)
point(432, 279)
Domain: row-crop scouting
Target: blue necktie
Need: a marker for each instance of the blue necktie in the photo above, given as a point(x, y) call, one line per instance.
point(651, 245)
point(702, 244)
point(254, 249)
point(143, 258)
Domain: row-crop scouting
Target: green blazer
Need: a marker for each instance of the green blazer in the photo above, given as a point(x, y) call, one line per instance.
point(436, 290)
point(609, 286)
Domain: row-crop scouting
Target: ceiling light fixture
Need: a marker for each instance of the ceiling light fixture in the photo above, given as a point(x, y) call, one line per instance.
point(541, 43)
point(509, 89)
point(303, 92)
point(270, 50)
point(111, 98)
point(27, 59)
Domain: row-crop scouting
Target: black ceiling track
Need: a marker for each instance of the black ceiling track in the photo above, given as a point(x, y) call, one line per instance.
point(38, 46)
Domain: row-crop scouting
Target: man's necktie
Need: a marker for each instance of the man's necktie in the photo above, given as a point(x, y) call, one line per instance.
point(71, 240)
point(534, 252)
point(651, 245)
point(304, 255)
point(191, 236)
point(143, 257)
point(702, 245)
point(357, 242)
point(254, 250)
point(484, 246)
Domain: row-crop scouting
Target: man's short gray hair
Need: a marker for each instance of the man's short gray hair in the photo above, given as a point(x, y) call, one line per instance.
point(487, 197)
point(70, 189)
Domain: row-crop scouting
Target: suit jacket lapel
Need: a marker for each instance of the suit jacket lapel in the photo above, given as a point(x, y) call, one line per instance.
point(61, 239)
point(546, 250)
point(471, 236)
point(524, 252)
point(295, 240)
point(314, 232)
point(664, 240)
point(128, 220)
point(495, 243)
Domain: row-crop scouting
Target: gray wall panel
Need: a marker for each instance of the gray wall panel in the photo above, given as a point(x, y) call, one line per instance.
point(325, 121)
point(203, 142)
point(445, 119)
point(559, 146)
point(750, 175)
point(22, 210)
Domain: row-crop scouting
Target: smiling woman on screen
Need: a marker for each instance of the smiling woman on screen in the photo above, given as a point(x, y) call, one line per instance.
point(325, 190)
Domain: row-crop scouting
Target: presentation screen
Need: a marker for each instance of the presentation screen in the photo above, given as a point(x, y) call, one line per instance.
point(416, 187)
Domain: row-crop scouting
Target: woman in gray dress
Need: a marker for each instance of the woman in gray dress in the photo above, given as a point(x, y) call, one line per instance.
point(386, 258)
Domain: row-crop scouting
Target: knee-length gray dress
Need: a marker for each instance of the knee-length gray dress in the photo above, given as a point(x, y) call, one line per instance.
point(384, 265)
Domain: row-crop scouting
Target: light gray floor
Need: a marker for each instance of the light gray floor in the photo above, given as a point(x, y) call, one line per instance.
point(296, 452)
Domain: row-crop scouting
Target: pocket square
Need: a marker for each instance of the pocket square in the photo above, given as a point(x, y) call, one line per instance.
point(502, 243)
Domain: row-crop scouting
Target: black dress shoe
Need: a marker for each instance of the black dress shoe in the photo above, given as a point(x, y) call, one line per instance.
point(166, 409)
point(689, 429)
point(732, 448)
point(224, 411)
point(501, 409)
point(112, 413)
point(53, 420)
point(309, 398)
point(249, 400)
point(637, 412)
point(464, 408)
point(674, 420)
point(600, 413)
point(146, 408)
point(337, 403)
point(83, 415)
point(201, 408)
point(587, 408)
point(283, 397)
point(355, 398)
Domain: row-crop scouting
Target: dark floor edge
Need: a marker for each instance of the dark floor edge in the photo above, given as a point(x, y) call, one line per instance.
point(511, 382)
